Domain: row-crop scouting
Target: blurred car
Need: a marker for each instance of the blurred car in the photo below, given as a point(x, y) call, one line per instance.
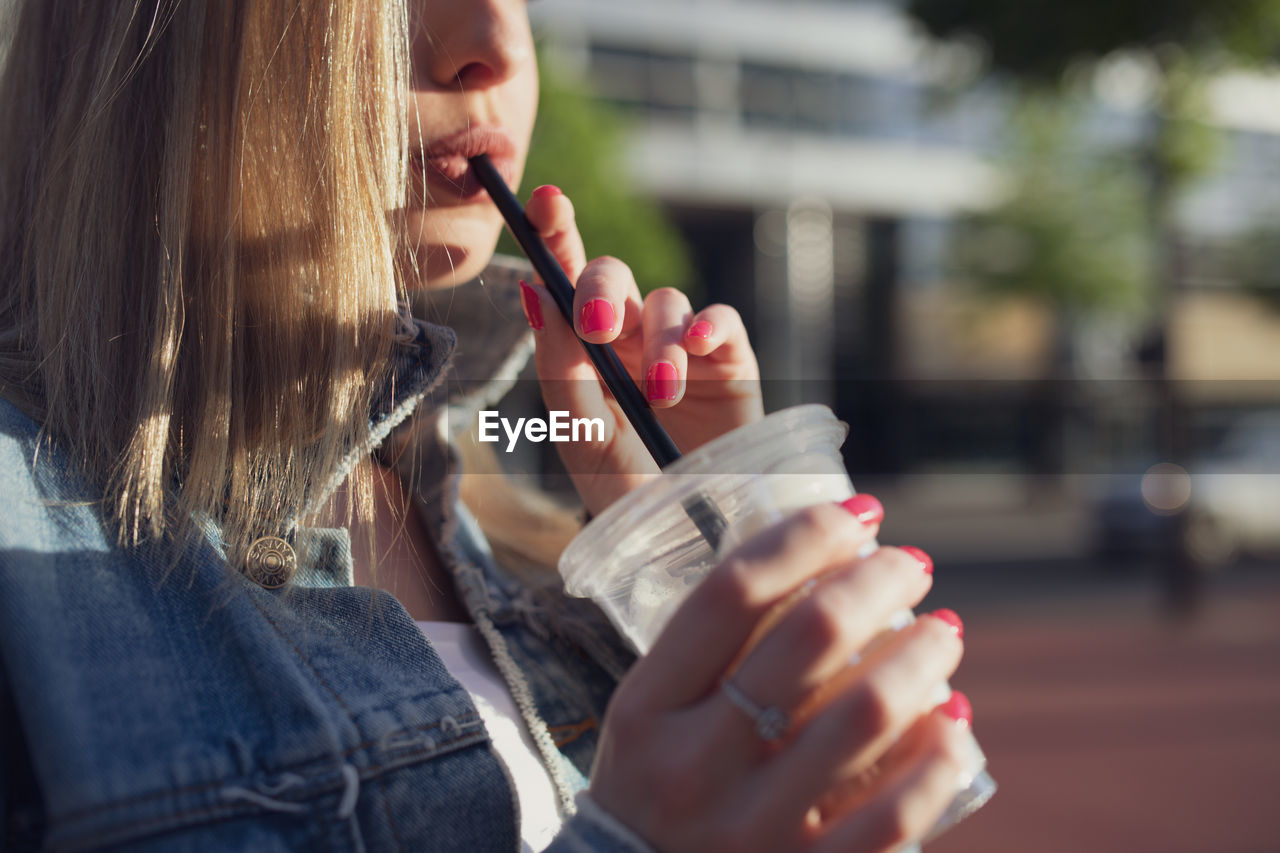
point(1228, 504)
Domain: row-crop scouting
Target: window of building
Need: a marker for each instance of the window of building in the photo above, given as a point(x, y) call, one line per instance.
point(643, 79)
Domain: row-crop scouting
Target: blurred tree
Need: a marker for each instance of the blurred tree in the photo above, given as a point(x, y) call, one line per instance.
point(1042, 40)
point(1071, 230)
point(577, 144)
point(1042, 43)
point(1071, 233)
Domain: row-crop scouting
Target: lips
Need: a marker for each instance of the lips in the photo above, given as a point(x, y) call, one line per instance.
point(443, 160)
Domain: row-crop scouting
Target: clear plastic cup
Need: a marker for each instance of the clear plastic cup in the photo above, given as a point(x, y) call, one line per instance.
point(639, 558)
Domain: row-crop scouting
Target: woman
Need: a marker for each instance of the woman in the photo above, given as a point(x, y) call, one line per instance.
point(231, 493)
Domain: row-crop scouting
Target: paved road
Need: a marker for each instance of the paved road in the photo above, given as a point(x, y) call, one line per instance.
point(1111, 728)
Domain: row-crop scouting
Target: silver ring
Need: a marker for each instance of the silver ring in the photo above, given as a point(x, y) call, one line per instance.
point(772, 722)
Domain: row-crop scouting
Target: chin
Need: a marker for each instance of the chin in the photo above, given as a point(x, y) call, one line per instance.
point(446, 266)
point(453, 248)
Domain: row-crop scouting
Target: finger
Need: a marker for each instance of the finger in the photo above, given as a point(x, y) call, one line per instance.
point(854, 766)
point(665, 317)
point(848, 793)
point(551, 214)
point(814, 641)
point(606, 301)
point(709, 629)
point(910, 799)
point(851, 791)
point(567, 379)
point(718, 331)
point(882, 697)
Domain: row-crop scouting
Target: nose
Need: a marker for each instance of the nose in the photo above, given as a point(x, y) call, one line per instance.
point(472, 44)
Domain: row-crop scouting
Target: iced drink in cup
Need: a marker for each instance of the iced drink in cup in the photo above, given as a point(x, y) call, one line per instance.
point(640, 558)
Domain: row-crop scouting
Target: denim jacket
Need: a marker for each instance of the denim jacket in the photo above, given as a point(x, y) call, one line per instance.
point(202, 711)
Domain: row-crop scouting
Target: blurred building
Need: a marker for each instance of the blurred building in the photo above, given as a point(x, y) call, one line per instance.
point(816, 154)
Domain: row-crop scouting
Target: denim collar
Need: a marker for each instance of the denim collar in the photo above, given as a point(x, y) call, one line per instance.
point(459, 349)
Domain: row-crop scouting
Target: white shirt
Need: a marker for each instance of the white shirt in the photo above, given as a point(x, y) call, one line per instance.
point(466, 657)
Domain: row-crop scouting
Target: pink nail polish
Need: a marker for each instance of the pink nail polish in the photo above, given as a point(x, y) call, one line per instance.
point(532, 307)
point(951, 618)
point(865, 508)
point(662, 383)
point(958, 708)
point(545, 191)
point(926, 562)
point(701, 329)
point(596, 316)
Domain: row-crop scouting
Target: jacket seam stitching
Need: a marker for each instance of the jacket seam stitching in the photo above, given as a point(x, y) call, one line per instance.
point(306, 660)
point(466, 717)
point(88, 811)
point(528, 710)
point(375, 772)
point(391, 820)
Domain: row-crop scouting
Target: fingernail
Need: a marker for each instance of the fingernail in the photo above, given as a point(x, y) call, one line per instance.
point(596, 316)
point(700, 329)
point(545, 191)
point(662, 382)
point(926, 562)
point(532, 307)
point(865, 508)
point(958, 708)
point(951, 618)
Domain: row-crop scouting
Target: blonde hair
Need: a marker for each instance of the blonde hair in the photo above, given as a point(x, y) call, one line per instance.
point(526, 528)
point(196, 248)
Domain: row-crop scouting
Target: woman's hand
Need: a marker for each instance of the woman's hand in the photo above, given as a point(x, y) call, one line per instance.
point(865, 764)
point(697, 369)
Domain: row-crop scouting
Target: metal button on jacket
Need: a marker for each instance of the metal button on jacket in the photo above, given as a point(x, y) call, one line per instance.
point(270, 562)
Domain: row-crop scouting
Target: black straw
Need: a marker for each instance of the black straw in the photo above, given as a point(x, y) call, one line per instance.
point(633, 403)
point(704, 514)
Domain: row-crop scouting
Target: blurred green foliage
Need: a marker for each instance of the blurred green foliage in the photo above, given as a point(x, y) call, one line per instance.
point(1043, 40)
point(1184, 145)
point(1089, 216)
point(1043, 43)
point(577, 146)
point(1071, 229)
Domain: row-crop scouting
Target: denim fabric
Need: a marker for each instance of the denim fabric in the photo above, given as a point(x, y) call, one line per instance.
point(196, 710)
